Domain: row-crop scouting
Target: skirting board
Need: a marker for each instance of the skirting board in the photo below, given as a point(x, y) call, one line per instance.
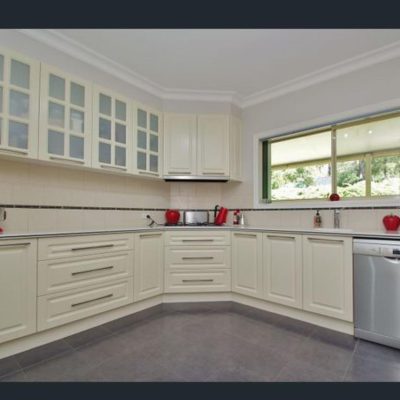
point(44, 337)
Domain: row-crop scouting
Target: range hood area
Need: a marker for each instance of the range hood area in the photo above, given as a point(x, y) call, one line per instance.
point(195, 178)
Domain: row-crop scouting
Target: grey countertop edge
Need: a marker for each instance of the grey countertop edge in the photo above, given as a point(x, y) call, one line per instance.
point(327, 232)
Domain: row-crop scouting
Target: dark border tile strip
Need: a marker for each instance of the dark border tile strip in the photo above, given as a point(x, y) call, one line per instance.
point(52, 207)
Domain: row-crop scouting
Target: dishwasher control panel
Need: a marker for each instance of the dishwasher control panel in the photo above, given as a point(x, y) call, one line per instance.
point(375, 248)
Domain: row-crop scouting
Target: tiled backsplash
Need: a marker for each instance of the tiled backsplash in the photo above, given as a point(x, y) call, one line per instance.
point(44, 188)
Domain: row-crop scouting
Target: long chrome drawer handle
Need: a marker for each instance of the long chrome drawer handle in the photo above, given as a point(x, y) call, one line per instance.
point(17, 151)
point(15, 244)
point(90, 301)
point(92, 270)
point(71, 160)
point(280, 237)
point(112, 167)
point(197, 240)
point(197, 258)
point(197, 280)
point(103, 246)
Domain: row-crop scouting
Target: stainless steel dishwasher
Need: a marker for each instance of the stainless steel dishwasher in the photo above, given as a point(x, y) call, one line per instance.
point(377, 290)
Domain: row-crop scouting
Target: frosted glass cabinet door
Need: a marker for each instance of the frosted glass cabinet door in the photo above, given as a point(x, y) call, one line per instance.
point(147, 141)
point(65, 118)
point(112, 131)
point(19, 97)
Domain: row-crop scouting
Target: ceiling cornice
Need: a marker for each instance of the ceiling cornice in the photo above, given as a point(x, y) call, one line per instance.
point(83, 53)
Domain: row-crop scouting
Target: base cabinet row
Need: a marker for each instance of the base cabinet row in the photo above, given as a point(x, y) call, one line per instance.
point(309, 272)
point(48, 282)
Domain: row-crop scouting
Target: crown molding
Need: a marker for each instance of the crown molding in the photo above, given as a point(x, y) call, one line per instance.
point(364, 60)
point(83, 53)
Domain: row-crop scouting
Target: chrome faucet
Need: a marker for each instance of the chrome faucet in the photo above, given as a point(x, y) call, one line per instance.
point(336, 218)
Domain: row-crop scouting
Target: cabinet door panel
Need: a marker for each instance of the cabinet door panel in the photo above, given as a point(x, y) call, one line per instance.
point(283, 269)
point(213, 145)
point(247, 264)
point(17, 288)
point(328, 276)
point(180, 144)
point(149, 265)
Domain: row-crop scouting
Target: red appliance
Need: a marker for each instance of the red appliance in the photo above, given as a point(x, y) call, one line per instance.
point(221, 216)
point(172, 217)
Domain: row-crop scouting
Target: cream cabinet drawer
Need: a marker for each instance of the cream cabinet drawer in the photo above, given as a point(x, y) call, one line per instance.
point(61, 308)
point(198, 238)
point(197, 281)
point(197, 257)
point(65, 274)
point(72, 246)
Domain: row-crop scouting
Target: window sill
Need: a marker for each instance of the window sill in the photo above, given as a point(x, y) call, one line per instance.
point(392, 201)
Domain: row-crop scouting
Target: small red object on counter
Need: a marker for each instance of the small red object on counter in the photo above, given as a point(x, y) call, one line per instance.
point(334, 197)
point(221, 217)
point(172, 217)
point(391, 222)
point(1, 230)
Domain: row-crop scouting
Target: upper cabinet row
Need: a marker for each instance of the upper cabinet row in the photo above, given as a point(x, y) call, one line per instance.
point(48, 114)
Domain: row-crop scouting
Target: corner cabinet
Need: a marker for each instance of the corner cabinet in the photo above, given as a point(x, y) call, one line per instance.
point(148, 141)
point(18, 271)
point(112, 131)
point(65, 118)
point(328, 276)
point(148, 275)
point(204, 145)
point(19, 105)
point(282, 268)
point(247, 263)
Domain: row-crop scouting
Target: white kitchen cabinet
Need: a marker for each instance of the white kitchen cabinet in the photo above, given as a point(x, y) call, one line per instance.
point(235, 148)
point(112, 131)
point(180, 135)
point(282, 268)
point(65, 118)
point(213, 145)
point(247, 263)
point(328, 276)
point(149, 265)
point(18, 270)
point(148, 141)
point(19, 105)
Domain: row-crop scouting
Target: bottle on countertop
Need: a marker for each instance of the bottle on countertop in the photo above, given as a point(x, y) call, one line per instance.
point(317, 220)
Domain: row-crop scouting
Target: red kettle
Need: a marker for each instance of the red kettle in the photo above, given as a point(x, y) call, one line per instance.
point(172, 217)
point(221, 217)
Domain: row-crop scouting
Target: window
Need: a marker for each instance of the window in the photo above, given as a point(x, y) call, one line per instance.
point(356, 159)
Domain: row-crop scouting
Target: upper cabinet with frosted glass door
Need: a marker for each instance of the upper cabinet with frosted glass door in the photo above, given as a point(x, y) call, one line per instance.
point(148, 142)
point(19, 98)
point(112, 131)
point(65, 118)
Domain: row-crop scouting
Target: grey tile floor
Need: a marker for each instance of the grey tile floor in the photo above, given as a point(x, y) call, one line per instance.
point(208, 343)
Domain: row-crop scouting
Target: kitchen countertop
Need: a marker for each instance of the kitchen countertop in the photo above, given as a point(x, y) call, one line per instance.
point(318, 231)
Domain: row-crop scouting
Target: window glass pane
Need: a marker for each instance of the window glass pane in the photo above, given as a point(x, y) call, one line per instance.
point(56, 87)
point(19, 104)
point(76, 121)
point(142, 140)
point(142, 118)
point(105, 104)
point(18, 135)
point(1, 99)
point(385, 175)
point(120, 133)
point(141, 160)
point(105, 128)
point(154, 123)
point(154, 143)
point(55, 143)
point(77, 94)
point(351, 178)
point(1, 67)
point(56, 114)
point(301, 167)
point(19, 74)
point(105, 153)
point(120, 110)
point(76, 147)
point(153, 163)
point(120, 156)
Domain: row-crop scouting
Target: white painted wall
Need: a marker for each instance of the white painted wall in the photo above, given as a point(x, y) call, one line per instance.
point(371, 89)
